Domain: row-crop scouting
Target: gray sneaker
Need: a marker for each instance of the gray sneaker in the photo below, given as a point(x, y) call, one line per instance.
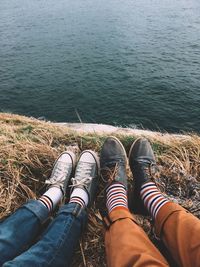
point(62, 171)
point(143, 166)
point(87, 173)
point(113, 161)
point(142, 161)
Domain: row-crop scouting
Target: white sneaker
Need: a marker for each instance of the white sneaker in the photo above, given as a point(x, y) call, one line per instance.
point(86, 174)
point(62, 171)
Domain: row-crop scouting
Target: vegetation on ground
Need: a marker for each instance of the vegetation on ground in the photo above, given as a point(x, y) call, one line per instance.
point(28, 148)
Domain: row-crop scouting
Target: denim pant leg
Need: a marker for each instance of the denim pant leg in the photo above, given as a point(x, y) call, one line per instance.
point(57, 244)
point(20, 229)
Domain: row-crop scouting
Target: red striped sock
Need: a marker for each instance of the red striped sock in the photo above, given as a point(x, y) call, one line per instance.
point(153, 198)
point(78, 200)
point(47, 202)
point(116, 197)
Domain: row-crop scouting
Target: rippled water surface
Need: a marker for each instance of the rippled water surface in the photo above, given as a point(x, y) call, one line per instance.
point(124, 62)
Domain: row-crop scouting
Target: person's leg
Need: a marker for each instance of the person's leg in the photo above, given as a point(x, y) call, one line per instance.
point(56, 246)
point(18, 231)
point(179, 229)
point(126, 243)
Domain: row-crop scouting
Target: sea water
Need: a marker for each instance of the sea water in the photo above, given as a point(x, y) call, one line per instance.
point(122, 62)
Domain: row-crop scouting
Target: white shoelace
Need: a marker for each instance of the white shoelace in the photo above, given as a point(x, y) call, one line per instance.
point(59, 174)
point(83, 177)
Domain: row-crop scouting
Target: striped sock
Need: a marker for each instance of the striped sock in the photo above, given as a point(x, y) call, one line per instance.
point(153, 198)
point(51, 197)
point(79, 196)
point(116, 197)
point(47, 202)
point(77, 200)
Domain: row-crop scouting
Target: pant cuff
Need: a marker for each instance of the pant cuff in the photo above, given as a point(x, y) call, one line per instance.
point(164, 213)
point(73, 208)
point(118, 214)
point(77, 211)
point(38, 209)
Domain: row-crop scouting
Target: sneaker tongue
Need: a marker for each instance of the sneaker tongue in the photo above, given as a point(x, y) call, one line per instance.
point(111, 165)
point(145, 160)
point(81, 183)
point(143, 171)
point(114, 163)
point(57, 179)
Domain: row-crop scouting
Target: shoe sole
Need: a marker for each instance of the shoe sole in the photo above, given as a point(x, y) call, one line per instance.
point(96, 157)
point(120, 143)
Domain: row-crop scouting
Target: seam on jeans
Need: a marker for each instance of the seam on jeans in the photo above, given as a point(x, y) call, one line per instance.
point(77, 210)
point(62, 240)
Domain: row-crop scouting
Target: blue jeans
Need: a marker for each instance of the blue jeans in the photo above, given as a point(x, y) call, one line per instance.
point(56, 245)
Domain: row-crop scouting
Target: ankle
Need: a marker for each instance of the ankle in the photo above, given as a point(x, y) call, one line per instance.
point(79, 196)
point(153, 199)
point(116, 197)
point(51, 197)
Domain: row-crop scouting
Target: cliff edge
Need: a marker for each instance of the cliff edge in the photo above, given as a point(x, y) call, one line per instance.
point(28, 148)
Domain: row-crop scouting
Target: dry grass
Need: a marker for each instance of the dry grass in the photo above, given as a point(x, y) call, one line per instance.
point(28, 148)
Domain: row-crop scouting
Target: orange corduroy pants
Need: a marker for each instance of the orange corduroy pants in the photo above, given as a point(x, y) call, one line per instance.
point(128, 245)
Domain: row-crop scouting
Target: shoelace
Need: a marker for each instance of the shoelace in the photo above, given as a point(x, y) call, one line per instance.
point(59, 174)
point(83, 177)
point(108, 174)
point(151, 169)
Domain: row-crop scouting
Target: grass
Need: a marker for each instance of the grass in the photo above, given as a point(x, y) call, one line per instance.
point(28, 148)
